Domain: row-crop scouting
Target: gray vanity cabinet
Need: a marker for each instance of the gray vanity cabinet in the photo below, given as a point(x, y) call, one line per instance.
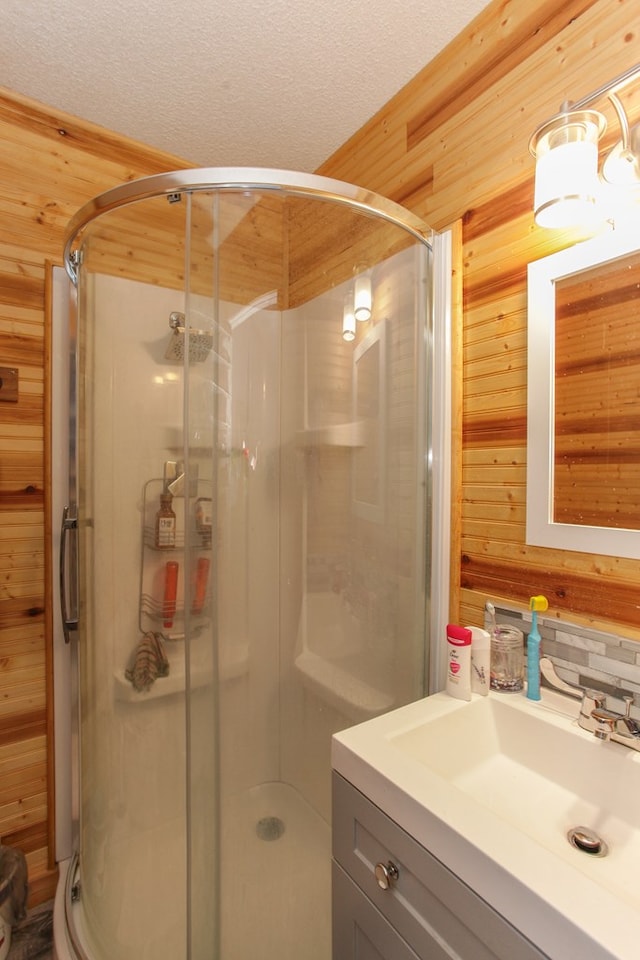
point(425, 912)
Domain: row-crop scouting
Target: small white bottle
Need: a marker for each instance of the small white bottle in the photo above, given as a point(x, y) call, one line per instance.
point(480, 660)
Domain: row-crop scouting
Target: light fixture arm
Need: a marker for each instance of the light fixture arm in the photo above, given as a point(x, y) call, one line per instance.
point(613, 86)
point(623, 120)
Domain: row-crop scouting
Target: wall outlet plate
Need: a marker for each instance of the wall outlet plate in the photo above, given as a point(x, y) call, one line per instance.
point(9, 384)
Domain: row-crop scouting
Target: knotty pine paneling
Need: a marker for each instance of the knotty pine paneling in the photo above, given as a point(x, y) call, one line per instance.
point(50, 165)
point(461, 129)
point(452, 146)
point(597, 361)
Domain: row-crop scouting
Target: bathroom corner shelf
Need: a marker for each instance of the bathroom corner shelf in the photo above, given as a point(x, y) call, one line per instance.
point(343, 690)
point(333, 435)
point(174, 682)
point(233, 664)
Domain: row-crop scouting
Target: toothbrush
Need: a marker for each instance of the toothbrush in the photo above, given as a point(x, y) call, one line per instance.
point(536, 604)
point(491, 610)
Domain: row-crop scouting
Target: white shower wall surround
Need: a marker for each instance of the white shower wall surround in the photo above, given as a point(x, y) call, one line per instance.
point(145, 830)
point(148, 729)
point(149, 827)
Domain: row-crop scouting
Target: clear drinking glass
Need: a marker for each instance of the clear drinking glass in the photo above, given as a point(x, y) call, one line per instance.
point(507, 658)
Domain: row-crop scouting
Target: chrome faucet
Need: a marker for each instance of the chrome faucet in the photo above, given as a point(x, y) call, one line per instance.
point(594, 716)
point(608, 725)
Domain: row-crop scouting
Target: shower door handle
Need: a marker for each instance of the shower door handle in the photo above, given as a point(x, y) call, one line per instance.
point(69, 623)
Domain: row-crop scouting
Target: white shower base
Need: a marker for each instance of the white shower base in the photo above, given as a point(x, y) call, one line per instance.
point(277, 903)
point(276, 894)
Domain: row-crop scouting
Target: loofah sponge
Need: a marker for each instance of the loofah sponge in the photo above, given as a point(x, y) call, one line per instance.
point(149, 662)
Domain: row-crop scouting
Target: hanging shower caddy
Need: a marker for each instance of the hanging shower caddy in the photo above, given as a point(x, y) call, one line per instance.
point(165, 602)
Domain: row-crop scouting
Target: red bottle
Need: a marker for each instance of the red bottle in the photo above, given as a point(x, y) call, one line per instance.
point(170, 592)
point(202, 581)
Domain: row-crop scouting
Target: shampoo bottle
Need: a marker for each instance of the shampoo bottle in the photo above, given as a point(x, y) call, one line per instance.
point(480, 660)
point(165, 526)
point(458, 662)
point(170, 593)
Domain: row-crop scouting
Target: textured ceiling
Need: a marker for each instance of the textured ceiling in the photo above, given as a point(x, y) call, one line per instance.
point(274, 83)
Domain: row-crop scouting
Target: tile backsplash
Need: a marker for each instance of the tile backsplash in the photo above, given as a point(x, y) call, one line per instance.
point(589, 658)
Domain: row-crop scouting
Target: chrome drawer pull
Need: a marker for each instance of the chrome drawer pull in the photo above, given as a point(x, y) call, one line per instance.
point(386, 874)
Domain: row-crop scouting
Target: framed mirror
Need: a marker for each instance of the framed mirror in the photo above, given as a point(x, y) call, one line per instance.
point(583, 398)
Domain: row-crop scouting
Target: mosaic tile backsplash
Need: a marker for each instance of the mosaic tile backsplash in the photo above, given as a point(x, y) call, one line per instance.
point(589, 658)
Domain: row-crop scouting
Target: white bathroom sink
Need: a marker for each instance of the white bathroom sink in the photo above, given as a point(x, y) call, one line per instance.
point(492, 788)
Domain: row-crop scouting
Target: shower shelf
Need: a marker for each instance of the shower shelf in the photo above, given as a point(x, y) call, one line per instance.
point(234, 663)
point(350, 434)
point(336, 662)
point(201, 675)
point(343, 690)
point(149, 542)
point(154, 610)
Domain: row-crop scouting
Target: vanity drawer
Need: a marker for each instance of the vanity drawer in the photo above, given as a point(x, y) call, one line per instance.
point(360, 932)
point(432, 910)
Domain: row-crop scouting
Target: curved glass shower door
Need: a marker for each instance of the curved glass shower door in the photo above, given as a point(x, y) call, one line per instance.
point(252, 500)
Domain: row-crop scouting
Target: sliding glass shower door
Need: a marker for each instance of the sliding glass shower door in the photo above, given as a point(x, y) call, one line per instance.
point(250, 491)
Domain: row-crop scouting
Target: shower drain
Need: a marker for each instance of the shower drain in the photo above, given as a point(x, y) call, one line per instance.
point(584, 839)
point(270, 828)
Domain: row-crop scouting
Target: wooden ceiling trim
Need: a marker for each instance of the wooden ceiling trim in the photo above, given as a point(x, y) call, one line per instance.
point(90, 138)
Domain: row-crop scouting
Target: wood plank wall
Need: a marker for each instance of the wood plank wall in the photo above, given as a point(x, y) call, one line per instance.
point(50, 165)
point(597, 361)
point(452, 146)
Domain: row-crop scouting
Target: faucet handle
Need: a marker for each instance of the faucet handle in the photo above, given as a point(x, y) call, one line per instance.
point(598, 699)
point(548, 671)
point(628, 726)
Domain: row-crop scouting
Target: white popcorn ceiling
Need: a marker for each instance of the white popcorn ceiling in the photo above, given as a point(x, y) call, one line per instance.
point(273, 83)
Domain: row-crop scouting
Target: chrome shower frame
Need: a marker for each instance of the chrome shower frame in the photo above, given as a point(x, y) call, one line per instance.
point(289, 182)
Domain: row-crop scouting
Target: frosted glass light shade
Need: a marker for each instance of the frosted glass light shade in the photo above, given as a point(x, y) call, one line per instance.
point(567, 185)
point(348, 323)
point(362, 297)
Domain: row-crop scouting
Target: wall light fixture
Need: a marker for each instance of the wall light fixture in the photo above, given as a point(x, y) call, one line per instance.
point(362, 300)
point(348, 319)
point(568, 189)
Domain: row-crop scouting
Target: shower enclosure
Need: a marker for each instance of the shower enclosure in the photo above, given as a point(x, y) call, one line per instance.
point(244, 557)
